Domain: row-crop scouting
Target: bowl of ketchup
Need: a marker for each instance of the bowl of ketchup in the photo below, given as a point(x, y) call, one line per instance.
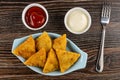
point(35, 16)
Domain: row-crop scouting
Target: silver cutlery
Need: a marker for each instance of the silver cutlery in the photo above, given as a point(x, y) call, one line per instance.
point(105, 19)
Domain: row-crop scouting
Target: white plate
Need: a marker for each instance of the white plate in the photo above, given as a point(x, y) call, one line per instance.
point(80, 64)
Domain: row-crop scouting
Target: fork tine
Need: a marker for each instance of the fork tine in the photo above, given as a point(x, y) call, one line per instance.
point(109, 9)
point(106, 9)
point(105, 12)
point(102, 10)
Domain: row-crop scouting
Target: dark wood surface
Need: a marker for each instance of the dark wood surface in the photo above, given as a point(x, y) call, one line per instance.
point(11, 27)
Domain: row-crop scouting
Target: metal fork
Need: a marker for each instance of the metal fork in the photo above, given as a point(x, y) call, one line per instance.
point(105, 19)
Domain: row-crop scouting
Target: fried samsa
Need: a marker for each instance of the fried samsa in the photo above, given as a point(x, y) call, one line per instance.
point(44, 41)
point(60, 42)
point(51, 63)
point(38, 59)
point(25, 49)
point(66, 59)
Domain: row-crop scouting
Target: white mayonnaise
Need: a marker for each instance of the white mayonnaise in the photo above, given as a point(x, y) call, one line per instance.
point(77, 20)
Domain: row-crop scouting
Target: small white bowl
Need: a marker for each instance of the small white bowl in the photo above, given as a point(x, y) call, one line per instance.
point(88, 20)
point(27, 8)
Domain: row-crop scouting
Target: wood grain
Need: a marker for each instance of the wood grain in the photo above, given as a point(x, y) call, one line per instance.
point(11, 27)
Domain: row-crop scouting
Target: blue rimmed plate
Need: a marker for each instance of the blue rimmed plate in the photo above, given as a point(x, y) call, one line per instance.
point(80, 64)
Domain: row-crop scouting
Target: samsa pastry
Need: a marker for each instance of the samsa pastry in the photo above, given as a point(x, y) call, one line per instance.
point(44, 41)
point(60, 42)
point(66, 59)
point(51, 63)
point(25, 49)
point(38, 59)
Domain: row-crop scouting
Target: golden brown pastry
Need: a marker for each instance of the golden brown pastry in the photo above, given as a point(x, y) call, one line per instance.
point(25, 49)
point(66, 59)
point(51, 63)
point(60, 42)
point(38, 59)
point(44, 41)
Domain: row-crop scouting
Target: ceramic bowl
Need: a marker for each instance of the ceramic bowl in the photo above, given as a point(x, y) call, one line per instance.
point(83, 11)
point(27, 8)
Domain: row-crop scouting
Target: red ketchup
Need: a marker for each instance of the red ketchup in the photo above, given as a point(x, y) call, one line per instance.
point(35, 17)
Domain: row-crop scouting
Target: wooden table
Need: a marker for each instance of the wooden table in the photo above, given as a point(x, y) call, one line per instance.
point(11, 27)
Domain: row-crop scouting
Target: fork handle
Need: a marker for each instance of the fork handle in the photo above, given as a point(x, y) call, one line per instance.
point(100, 59)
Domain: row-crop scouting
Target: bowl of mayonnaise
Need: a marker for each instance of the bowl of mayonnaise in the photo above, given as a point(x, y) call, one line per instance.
point(77, 20)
